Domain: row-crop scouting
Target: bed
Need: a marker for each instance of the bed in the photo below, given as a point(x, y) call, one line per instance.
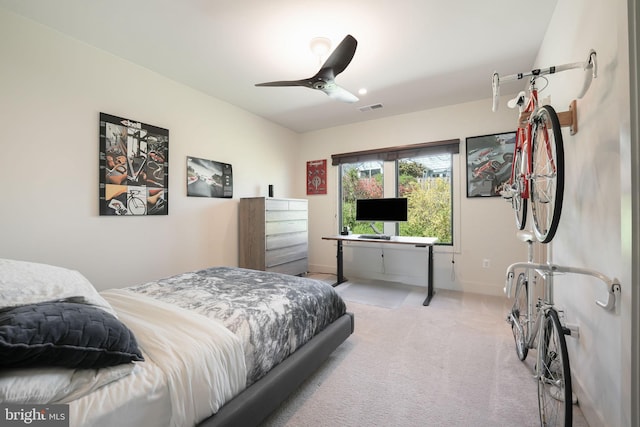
point(218, 346)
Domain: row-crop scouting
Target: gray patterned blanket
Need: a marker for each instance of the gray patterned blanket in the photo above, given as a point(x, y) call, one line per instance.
point(273, 314)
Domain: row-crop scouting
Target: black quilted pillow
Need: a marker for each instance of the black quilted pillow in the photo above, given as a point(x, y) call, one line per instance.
point(64, 334)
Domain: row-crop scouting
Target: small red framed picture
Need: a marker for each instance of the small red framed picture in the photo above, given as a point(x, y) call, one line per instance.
point(317, 177)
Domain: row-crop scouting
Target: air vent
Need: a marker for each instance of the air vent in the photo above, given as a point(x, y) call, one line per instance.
point(370, 107)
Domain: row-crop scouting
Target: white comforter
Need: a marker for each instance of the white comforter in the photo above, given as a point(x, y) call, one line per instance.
point(192, 361)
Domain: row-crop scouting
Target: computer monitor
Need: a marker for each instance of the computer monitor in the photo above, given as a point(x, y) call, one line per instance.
point(385, 210)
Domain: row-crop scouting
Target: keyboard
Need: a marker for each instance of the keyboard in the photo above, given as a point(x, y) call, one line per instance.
point(375, 236)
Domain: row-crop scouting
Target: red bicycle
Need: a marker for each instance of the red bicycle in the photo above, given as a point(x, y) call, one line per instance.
point(537, 171)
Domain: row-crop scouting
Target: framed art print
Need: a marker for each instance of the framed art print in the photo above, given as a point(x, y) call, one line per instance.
point(208, 178)
point(489, 159)
point(134, 167)
point(317, 177)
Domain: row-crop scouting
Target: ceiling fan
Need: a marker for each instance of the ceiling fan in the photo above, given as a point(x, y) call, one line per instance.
point(324, 79)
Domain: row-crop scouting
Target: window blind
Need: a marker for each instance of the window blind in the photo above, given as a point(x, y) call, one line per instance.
point(451, 146)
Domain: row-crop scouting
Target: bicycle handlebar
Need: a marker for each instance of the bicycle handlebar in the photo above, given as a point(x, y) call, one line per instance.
point(589, 64)
point(613, 285)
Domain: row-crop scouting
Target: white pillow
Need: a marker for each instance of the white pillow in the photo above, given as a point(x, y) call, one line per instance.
point(56, 385)
point(23, 283)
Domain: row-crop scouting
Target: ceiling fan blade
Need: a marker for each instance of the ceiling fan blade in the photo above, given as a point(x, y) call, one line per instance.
point(340, 57)
point(324, 79)
point(285, 83)
point(338, 93)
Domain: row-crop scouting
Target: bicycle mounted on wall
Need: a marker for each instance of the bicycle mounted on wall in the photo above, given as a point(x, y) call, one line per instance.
point(537, 171)
point(537, 176)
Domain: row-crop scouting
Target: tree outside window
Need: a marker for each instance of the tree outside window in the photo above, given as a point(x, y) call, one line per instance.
point(426, 182)
point(360, 181)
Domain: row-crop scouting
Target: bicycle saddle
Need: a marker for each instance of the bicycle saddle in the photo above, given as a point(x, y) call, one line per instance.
point(517, 101)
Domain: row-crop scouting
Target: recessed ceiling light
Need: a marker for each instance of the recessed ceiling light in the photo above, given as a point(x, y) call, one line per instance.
point(362, 91)
point(320, 46)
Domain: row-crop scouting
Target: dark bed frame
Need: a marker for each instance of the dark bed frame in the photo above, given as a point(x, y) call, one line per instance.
point(255, 403)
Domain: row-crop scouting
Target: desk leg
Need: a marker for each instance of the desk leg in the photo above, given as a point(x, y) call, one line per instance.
point(340, 274)
point(429, 277)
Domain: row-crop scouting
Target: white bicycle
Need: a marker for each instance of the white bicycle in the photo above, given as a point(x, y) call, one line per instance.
point(536, 324)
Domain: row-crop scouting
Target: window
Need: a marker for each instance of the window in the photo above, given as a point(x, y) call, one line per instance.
point(362, 180)
point(426, 182)
point(423, 174)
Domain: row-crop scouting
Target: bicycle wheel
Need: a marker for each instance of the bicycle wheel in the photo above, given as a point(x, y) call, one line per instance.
point(547, 178)
point(136, 206)
point(519, 313)
point(554, 375)
point(518, 203)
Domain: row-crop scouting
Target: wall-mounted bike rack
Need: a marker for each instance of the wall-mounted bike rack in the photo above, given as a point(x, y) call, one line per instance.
point(570, 118)
point(566, 118)
point(548, 269)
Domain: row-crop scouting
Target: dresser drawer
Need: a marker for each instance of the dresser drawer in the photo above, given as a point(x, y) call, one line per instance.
point(298, 205)
point(276, 205)
point(285, 205)
point(298, 267)
point(272, 216)
point(278, 227)
point(287, 239)
point(283, 255)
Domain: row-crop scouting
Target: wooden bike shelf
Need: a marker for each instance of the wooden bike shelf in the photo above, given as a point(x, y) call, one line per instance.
point(570, 118)
point(566, 118)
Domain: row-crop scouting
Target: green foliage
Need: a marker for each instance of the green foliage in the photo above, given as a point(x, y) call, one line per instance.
point(429, 210)
point(429, 201)
point(411, 168)
point(353, 188)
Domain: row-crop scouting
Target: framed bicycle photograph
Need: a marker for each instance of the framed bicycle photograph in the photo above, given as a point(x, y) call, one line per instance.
point(134, 167)
point(489, 159)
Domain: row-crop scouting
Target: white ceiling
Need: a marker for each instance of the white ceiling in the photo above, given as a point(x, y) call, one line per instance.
point(412, 54)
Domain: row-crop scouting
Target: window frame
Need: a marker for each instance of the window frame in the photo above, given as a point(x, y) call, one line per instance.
point(390, 157)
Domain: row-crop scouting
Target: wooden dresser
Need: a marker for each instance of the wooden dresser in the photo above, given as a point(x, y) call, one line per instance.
point(274, 234)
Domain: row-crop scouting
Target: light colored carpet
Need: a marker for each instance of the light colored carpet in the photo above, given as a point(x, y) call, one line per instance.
point(452, 363)
point(381, 294)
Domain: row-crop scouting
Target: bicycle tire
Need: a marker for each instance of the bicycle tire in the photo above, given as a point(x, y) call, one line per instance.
point(555, 401)
point(136, 206)
point(519, 203)
point(519, 312)
point(547, 178)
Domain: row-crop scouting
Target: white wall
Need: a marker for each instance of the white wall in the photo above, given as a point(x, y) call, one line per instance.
point(52, 89)
point(595, 220)
point(483, 227)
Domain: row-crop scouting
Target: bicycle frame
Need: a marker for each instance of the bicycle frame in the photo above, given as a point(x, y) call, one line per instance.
point(522, 172)
point(547, 271)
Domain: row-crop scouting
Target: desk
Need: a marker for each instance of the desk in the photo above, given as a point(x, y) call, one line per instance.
point(419, 242)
